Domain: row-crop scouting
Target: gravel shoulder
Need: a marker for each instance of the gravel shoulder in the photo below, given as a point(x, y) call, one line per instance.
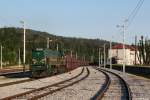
point(26, 86)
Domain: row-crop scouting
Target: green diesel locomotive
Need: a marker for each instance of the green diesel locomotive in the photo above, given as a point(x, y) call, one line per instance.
point(46, 63)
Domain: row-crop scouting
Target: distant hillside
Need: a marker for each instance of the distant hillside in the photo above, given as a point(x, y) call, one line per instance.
point(12, 39)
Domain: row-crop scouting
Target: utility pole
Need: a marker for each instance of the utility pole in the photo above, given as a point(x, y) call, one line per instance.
point(71, 53)
point(71, 58)
point(57, 47)
point(84, 59)
point(99, 58)
point(110, 54)
point(76, 55)
point(135, 49)
point(91, 58)
point(24, 45)
point(104, 56)
point(123, 27)
point(48, 43)
point(1, 57)
point(124, 49)
point(19, 58)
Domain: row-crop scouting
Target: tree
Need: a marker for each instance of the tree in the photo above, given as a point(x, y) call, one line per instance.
point(12, 40)
point(144, 51)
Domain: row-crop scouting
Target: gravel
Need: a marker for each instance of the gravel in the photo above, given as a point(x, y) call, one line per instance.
point(4, 79)
point(140, 86)
point(116, 90)
point(83, 90)
point(26, 86)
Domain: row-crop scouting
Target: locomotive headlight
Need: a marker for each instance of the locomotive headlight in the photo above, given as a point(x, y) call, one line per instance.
point(34, 61)
point(43, 60)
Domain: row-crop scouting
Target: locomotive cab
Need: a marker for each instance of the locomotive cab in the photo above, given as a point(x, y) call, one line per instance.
point(46, 62)
point(38, 65)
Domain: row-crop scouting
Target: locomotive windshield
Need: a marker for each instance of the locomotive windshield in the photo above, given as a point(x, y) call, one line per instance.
point(38, 57)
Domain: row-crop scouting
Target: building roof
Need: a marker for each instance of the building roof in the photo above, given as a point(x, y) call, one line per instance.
point(120, 46)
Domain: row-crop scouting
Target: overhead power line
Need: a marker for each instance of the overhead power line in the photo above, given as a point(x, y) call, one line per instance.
point(134, 12)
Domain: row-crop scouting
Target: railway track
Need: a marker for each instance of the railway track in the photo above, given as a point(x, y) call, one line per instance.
point(44, 91)
point(115, 88)
point(16, 82)
point(15, 75)
point(12, 71)
point(19, 74)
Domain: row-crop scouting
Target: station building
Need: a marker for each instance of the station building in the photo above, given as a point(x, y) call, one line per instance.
point(131, 57)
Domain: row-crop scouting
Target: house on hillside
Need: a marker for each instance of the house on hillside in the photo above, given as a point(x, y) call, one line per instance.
point(117, 54)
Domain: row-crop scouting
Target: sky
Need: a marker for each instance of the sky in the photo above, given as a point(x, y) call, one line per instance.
point(96, 19)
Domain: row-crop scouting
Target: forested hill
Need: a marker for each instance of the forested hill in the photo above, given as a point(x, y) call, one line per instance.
point(12, 39)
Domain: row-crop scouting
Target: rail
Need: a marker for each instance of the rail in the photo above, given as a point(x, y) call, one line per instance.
point(125, 83)
point(99, 95)
point(51, 91)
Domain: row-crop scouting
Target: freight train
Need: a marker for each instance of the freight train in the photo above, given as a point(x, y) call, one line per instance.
point(47, 62)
